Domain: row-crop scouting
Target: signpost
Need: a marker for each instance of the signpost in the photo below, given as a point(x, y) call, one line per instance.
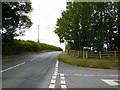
point(84, 52)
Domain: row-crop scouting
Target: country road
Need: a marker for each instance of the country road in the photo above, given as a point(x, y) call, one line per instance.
point(43, 70)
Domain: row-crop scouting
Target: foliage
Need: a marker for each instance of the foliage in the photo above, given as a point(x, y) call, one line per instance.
point(88, 24)
point(20, 46)
point(15, 19)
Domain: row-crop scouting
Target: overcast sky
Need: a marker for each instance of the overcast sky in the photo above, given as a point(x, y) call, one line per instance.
point(45, 14)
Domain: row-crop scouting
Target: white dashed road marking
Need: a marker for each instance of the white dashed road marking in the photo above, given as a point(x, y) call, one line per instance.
point(52, 86)
point(63, 86)
point(62, 81)
point(12, 67)
point(33, 59)
point(62, 78)
point(111, 82)
point(53, 80)
point(54, 77)
point(55, 74)
point(62, 75)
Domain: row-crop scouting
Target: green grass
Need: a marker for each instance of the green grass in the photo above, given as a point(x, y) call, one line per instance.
point(91, 63)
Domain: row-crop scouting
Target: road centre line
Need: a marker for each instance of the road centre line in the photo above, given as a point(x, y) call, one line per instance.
point(12, 67)
point(34, 58)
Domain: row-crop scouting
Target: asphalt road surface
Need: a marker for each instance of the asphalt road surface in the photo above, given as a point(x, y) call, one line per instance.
point(43, 70)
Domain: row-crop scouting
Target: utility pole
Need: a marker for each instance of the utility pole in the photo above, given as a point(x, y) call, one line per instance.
point(38, 33)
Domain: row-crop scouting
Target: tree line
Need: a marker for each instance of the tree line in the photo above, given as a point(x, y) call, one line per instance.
point(90, 24)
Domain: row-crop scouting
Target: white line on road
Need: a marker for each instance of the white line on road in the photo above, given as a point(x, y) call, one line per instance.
point(62, 78)
point(62, 82)
point(63, 86)
point(33, 59)
point(111, 82)
point(12, 67)
point(52, 86)
point(56, 69)
point(62, 75)
point(91, 75)
point(53, 81)
point(54, 77)
point(55, 74)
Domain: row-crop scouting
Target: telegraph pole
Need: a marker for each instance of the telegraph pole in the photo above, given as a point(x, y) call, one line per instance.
point(38, 33)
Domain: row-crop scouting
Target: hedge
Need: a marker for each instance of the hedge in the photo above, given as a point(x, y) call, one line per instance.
point(20, 46)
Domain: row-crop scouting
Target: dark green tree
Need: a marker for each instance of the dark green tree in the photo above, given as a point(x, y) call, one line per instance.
point(15, 19)
point(94, 25)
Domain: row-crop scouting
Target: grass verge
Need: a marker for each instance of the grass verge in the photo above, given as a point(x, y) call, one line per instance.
point(91, 63)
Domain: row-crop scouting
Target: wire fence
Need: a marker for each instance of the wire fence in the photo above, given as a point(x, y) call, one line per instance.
point(95, 55)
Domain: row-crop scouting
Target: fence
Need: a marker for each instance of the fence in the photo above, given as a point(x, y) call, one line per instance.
point(95, 55)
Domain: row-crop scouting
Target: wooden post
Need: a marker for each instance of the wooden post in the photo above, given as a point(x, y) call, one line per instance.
point(86, 55)
point(74, 53)
point(79, 53)
point(115, 54)
point(70, 53)
point(83, 54)
point(100, 54)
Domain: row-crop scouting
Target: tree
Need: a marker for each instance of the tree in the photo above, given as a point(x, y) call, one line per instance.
point(94, 25)
point(15, 19)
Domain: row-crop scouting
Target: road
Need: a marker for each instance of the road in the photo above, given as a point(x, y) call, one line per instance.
point(43, 70)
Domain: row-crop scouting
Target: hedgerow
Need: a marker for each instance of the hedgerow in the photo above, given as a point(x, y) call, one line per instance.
point(20, 46)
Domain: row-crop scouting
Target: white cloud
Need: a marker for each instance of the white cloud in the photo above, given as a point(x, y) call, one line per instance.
point(45, 13)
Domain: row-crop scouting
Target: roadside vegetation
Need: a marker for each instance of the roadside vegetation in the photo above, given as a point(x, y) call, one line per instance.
point(15, 21)
point(14, 47)
point(93, 25)
point(90, 63)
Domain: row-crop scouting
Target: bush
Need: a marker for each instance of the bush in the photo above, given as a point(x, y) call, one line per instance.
point(21, 46)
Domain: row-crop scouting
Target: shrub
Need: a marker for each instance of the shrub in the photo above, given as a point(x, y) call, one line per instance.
point(21, 46)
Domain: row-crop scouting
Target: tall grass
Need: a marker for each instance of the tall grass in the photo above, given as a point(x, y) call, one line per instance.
point(91, 63)
point(20, 46)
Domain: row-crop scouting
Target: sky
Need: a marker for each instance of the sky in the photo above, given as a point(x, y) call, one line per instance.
point(45, 14)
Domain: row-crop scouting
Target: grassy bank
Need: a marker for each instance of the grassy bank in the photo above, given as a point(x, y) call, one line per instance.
point(91, 63)
point(16, 47)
